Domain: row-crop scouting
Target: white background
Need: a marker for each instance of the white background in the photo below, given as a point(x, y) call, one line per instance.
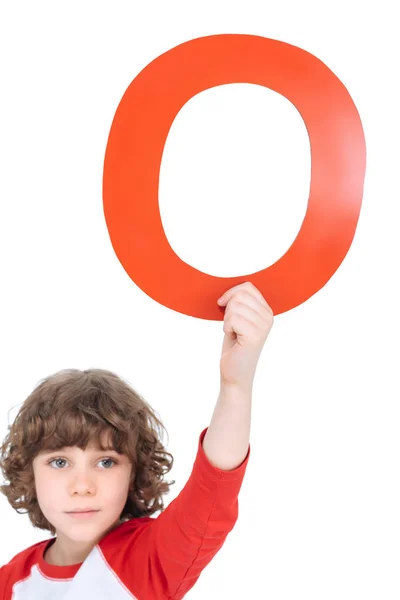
point(319, 506)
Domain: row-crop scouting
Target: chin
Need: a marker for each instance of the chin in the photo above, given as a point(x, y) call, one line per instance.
point(85, 529)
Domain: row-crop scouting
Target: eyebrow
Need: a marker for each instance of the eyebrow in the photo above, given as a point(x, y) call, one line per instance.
point(69, 449)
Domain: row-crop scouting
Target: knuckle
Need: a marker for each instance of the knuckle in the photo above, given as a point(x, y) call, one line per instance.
point(234, 303)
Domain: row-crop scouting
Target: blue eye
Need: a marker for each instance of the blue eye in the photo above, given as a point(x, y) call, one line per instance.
point(56, 460)
point(109, 459)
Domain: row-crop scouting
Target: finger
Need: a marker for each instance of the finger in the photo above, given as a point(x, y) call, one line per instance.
point(233, 289)
point(244, 310)
point(249, 288)
point(245, 295)
point(241, 326)
point(249, 307)
point(250, 322)
point(239, 323)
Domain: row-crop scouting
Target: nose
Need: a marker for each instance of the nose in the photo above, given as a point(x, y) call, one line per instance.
point(82, 482)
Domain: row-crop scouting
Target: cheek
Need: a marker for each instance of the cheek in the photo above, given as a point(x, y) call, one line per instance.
point(46, 488)
point(47, 496)
point(117, 489)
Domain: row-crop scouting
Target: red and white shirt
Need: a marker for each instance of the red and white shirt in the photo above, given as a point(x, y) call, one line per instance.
point(145, 558)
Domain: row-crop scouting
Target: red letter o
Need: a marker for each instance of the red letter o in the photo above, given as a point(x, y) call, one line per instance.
point(133, 159)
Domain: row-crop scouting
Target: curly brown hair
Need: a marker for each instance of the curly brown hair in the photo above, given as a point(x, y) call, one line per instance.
point(72, 408)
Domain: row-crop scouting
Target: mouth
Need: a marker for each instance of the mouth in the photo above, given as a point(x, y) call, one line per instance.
point(83, 514)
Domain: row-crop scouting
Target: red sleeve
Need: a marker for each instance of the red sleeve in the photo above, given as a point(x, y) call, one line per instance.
point(3, 582)
point(166, 555)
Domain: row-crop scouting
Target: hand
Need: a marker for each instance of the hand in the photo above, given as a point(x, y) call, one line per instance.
point(247, 323)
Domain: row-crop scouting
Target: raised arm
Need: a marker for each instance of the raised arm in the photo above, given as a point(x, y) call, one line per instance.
point(247, 322)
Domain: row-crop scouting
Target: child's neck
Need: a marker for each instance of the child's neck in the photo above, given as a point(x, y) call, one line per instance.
point(64, 552)
point(57, 556)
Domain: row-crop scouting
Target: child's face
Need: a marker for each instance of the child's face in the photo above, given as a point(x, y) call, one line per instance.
point(71, 479)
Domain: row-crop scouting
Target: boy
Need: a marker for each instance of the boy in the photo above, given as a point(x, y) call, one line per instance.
point(106, 544)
